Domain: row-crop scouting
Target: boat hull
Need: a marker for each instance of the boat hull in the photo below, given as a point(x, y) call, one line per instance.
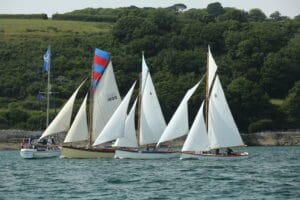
point(141, 154)
point(34, 153)
point(72, 152)
point(235, 155)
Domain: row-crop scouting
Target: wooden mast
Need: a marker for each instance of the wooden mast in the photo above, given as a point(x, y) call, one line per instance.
point(139, 112)
point(91, 106)
point(91, 109)
point(207, 91)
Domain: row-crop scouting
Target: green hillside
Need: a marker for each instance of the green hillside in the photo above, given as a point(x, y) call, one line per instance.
point(38, 27)
point(22, 45)
point(257, 55)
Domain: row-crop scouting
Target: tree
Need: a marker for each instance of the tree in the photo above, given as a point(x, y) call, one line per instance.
point(234, 14)
point(247, 100)
point(255, 57)
point(198, 14)
point(212, 34)
point(125, 27)
point(164, 20)
point(215, 9)
point(179, 7)
point(292, 105)
point(281, 70)
point(256, 15)
point(277, 16)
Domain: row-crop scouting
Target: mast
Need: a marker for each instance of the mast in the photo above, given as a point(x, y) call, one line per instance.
point(138, 133)
point(207, 92)
point(48, 88)
point(91, 109)
point(139, 111)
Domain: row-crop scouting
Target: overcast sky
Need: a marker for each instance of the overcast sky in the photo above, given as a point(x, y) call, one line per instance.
point(289, 8)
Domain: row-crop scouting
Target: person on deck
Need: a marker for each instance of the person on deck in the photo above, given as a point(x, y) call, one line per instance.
point(229, 151)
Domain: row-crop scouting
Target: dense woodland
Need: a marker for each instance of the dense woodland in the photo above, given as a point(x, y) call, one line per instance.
point(258, 58)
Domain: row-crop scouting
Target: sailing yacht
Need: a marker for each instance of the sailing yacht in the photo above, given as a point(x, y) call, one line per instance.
point(104, 99)
point(140, 143)
point(37, 148)
point(214, 127)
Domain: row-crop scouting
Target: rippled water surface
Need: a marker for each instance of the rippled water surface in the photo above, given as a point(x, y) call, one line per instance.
point(268, 173)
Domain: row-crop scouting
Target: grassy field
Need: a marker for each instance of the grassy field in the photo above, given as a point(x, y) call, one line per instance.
point(38, 27)
point(277, 102)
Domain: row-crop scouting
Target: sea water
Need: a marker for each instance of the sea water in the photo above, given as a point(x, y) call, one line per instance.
point(268, 173)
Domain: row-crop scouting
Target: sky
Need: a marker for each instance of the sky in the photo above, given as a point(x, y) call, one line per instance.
point(290, 8)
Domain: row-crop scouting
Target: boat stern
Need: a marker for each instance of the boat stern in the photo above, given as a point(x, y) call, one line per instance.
point(27, 153)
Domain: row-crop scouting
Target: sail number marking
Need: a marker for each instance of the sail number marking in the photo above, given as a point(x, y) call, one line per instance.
point(112, 98)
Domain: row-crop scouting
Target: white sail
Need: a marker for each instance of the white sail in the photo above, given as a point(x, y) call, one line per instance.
point(106, 100)
point(62, 120)
point(212, 69)
point(222, 130)
point(197, 139)
point(79, 129)
point(152, 121)
point(129, 139)
point(179, 123)
point(145, 71)
point(116, 124)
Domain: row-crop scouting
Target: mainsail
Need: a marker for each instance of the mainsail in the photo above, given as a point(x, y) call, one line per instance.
point(152, 121)
point(106, 100)
point(222, 130)
point(212, 69)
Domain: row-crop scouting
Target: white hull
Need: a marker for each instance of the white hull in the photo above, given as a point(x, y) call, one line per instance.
point(142, 154)
point(34, 153)
point(236, 155)
point(71, 152)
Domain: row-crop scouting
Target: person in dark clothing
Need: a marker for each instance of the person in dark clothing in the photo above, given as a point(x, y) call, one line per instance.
point(217, 151)
point(52, 140)
point(229, 151)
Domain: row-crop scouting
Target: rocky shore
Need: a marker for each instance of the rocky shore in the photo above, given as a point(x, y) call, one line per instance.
point(271, 138)
point(11, 139)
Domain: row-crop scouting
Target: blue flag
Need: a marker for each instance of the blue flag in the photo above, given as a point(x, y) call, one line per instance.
point(47, 59)
point(40, 97)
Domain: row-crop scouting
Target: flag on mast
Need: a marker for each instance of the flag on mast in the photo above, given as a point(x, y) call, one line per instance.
point(101, 59)
point(47, 59)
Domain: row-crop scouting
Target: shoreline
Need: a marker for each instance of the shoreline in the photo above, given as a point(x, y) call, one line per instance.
point(11, 139)
point(272, 138)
